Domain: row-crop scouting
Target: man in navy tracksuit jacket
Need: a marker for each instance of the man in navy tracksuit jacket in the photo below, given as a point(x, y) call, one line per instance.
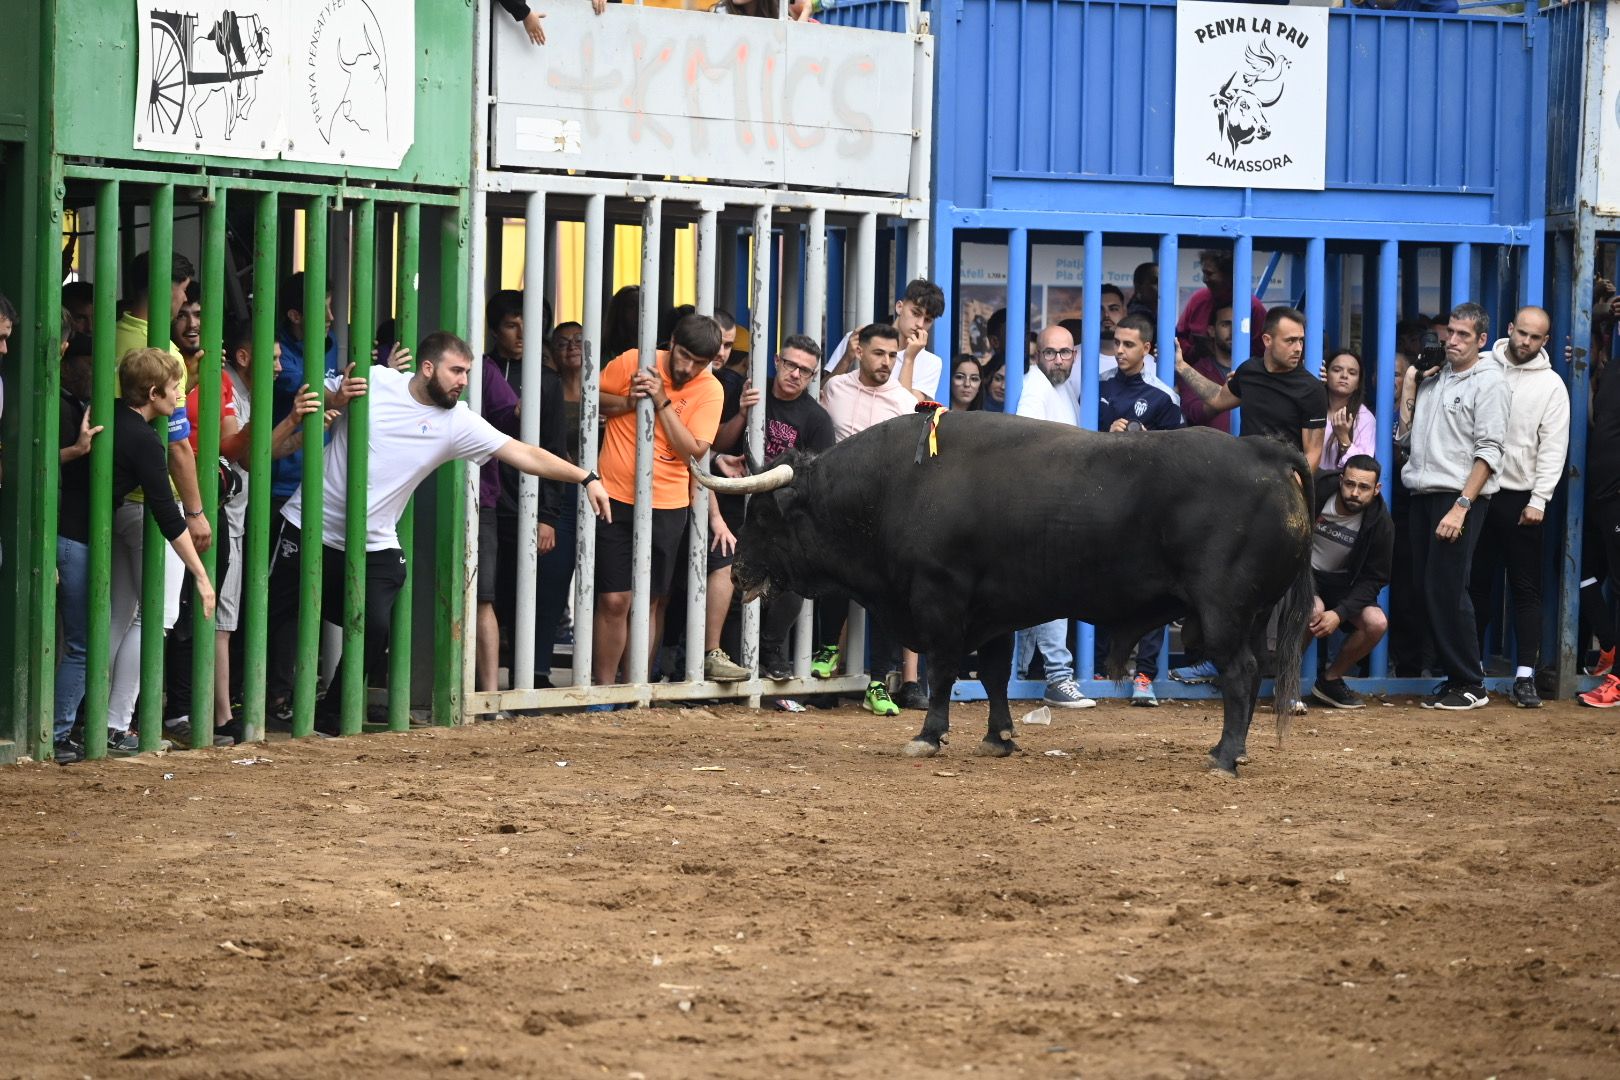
point(1129, 401)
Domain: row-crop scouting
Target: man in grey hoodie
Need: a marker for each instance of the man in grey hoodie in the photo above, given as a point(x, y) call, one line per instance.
point(1532, 462)
point(1454, 418)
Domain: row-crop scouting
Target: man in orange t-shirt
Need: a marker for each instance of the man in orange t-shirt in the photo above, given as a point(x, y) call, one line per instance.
point(686, 401)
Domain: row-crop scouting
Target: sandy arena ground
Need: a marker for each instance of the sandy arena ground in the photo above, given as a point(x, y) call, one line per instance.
point(722, 893)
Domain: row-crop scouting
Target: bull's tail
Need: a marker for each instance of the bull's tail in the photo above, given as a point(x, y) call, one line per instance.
point(1294, 614)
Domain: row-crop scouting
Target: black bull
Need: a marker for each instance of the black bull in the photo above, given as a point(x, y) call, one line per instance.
point(1016, 522)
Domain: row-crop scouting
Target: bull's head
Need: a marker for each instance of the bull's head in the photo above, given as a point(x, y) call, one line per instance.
point(765, 561)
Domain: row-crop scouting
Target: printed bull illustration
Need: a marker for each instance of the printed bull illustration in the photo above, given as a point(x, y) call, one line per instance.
point(1241, 103)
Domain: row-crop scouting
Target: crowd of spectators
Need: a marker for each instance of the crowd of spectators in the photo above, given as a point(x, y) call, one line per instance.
point(1481, 431)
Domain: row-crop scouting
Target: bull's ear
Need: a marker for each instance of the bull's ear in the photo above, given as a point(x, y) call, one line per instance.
point(787, 501)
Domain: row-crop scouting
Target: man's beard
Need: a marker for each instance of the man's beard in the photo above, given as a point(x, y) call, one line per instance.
point(1059, 377)
point(441, 397)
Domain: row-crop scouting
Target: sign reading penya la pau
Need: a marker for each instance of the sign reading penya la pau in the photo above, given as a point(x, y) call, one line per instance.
point(687, 93)
point(330, 81)
point(1251, 96)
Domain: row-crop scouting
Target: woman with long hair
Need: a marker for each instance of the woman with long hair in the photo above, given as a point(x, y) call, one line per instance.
point(967, 384)
point(1351, 429)
point(993, 377)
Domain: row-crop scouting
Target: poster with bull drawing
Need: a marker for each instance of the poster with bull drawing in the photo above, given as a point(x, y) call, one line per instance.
point(309, 80)
point(1251, 96)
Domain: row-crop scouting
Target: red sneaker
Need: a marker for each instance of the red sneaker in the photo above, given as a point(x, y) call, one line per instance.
point(1605, 696)
point(1605, 662)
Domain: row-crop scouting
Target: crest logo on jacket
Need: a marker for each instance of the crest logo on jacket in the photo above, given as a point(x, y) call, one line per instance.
point(1140, 408)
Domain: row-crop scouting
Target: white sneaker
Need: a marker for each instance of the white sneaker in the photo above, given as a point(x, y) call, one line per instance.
point(1065, 694)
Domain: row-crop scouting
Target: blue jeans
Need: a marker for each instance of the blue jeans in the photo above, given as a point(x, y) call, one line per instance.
point(555, 573)
point(1052, 638)
point(73, 605)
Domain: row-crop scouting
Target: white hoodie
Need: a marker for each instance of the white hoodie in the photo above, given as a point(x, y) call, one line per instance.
point(1538, 426)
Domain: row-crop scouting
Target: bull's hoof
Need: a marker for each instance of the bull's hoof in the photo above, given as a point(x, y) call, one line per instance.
point(996, 747)
point(920, 748)
point(1243, 758)
point(1215, 766)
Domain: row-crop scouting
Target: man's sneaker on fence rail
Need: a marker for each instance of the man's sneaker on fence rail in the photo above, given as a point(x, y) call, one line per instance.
point(912, 696)
point(1201, 672)
point(1524, 693)
point(1606, 695)
point(825, 664)
point(1335, 693)
point(775, 666)
point(878, 700)
point(1065, 694)
point(1142, 691)
point(718, 667)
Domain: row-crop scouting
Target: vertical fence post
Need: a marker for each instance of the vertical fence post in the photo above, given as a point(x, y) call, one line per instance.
point(1085, 369)
point(590, 381)
point(311, 539)
point(1585, 266)
point(1384, 404)
point(256, 545)
point(207, 425)
point(637, 662)
point(407, 317)
point(861, 302)
point(1462, 274)
point(153, 554)
point(760, 304)
point(362, 320)
point(450, 565)
point(697, 554)
point(1169, 260)
point(534, 346)
point(815, 324)
point(103, 400)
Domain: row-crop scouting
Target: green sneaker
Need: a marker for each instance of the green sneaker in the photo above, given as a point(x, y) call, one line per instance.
point(878, 700)
point(825, 665)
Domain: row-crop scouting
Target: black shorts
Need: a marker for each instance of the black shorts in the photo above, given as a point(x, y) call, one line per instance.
point(1332, 589)
point(732, 508)
point(614, 567)
point(488, 556)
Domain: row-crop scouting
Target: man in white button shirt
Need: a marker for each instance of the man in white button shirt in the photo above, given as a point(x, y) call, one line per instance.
point(915, 368)
point(1051, 394)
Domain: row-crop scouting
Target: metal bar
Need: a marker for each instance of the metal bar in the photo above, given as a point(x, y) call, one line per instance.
point(697, 555)
point(1384, 404)
point(1315, 303)
point(268, 185)
point(1583, 264)
point(922, 152)
point(311, 541)
point(408, 316)
point(153, 545)
point(758, 360)
point(528, 553)
point(1169, 262)
point(637, 663)
point(865, 271)
point(1462, 274)
point(209, 393)
point(256, 544)
point(589, 388)
point(103, 400)
point(1090, 351)
point(450, 575)
point(815, 325)
point(362, 317)
point(1017, 331)
point(1242, 311)
point(480, 279)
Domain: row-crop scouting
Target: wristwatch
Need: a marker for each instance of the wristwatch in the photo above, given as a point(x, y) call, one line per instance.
point(590, 477)
point(1464, 501)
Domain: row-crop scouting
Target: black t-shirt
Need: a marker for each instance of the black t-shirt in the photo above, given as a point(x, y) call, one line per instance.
point(800, 424)
point(1603, 439)
point(140, 460)
point(73, 509)
point(553, 438)
point(731, 386)
point(1280, 405)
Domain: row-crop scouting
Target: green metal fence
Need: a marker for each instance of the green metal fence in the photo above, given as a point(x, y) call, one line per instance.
point(380, 278)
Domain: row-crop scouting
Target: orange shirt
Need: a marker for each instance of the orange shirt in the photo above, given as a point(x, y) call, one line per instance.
point(697, 405)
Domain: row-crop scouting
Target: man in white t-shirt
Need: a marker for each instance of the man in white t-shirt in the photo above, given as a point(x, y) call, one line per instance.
point(1051, 393)
point(417, 423)
point(916, 369)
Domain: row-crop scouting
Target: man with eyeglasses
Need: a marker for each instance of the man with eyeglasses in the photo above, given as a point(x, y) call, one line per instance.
point(1352, 551)
point(1050, 393)
point(794, 420)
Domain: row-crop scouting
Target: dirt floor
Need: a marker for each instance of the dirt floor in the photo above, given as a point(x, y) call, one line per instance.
point(723, 893)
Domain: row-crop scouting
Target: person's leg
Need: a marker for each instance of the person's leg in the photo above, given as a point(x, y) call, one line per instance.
point(1365, 629)
point(1451, 614)
point(227, 611)
point(717, 604)
point(385, 576)
point(128, 532)
point(488, 640)
point(555, 573)
point(73, 605)
point(282, 602)
point(1147, 652)
point(780, 613)
point(1052, 639)
point(1523, 557)
point(1489, 553)
point(611, 620)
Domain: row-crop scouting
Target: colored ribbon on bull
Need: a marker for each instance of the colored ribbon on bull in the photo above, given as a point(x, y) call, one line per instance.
point(930, 437)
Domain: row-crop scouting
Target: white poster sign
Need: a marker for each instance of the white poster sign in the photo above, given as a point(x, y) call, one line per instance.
point(309, 80)
point(1251, 96)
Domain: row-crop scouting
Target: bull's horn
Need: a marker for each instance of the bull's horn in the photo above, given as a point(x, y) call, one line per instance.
point(769, 480)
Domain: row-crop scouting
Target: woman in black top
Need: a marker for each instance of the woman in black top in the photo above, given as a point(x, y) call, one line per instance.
point(149, 380)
